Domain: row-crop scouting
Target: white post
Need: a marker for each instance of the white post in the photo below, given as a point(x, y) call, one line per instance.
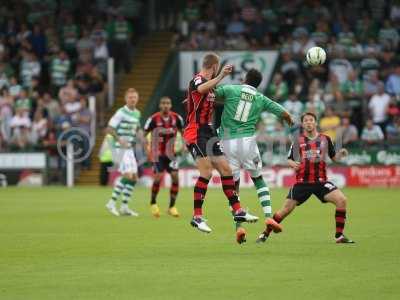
point(70, 165)
point(92, 108)
point(110, 81)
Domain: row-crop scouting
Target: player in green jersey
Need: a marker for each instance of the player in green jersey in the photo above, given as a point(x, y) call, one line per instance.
point(243, 105)
point(124, 126)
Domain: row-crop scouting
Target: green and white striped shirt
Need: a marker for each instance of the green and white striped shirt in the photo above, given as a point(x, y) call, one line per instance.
point(126, 123)
point(59, 71)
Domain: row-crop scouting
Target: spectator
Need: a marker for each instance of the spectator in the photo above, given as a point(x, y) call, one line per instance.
point(23, 102)
point(6, 113)
point(20, 124)
point(378, 106)
point(68, 93)
point(235, 26)
point(85, 46)
point(14, 88)
point(371, 85)
point(50, 105)
point(38, 42)
point(121, 32)
point(393, 130)
point(341, 67)
point(372, 134)
point(352, 88)
point(278, 89)
point(70, 33)
point(346, 134)
point(329, 123)
point(39, 126)
point(294, 107)
point(388, 35)
point(332, 90)
point(29, 68)
point(59, 71)
point(393, 82)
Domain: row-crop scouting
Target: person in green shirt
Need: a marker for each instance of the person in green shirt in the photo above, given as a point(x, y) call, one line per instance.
point(124, 127)
point(243, 106)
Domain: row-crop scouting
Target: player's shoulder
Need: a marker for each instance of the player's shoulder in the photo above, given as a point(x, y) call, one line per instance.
point(155, 115)
point(325, 137)
point(197, 80)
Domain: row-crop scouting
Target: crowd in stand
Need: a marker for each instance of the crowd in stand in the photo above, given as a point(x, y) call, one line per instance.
point(355, 94)
point(53, 57)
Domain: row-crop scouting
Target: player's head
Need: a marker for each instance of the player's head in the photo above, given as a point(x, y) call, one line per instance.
point(253, 78)
point(211, 63)
point(131, 97)
point(309, 122)
point(165, 104)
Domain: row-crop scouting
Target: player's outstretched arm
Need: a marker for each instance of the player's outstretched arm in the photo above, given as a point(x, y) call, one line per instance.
point(209, 85)
point(278, 110)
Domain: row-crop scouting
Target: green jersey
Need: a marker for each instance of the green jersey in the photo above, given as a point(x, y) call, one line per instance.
point(243, 105)
point(126, 123)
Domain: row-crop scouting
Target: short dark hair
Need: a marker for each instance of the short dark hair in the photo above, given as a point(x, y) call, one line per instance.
point(308, 114)
point(253, 78)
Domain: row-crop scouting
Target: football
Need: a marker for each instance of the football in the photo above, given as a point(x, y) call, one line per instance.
point(316, 56)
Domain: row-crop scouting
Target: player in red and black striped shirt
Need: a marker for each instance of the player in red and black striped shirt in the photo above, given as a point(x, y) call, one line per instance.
point(164, 126)
point(203, 142)
point(307, 157)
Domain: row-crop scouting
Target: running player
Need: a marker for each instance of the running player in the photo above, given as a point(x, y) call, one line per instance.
point(124, 126)
point(307, 157)
point(243, 105)
point(203, 143)
point(164, 126)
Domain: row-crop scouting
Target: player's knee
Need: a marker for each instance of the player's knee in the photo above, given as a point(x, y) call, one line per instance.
point(206, 173)
point(341, 201)
point(157, 177)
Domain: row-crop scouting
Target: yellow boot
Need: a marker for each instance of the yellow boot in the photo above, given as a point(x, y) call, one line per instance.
point(155, 210)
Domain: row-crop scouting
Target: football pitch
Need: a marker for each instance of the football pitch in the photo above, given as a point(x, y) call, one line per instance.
point(58, 243)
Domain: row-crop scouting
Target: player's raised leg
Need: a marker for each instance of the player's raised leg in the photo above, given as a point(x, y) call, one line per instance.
point(264, 198)
point(173, 193)
point(278, 217)
point(228, 185)
point(339, 200)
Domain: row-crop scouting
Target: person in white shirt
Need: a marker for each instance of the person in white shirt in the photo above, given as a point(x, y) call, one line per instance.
point(378, 106)
point(372, 134)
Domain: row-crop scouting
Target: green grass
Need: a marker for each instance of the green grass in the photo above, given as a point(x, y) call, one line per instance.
point(57, 243)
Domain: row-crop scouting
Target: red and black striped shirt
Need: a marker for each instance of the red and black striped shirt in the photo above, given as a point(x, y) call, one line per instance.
point(312, 154)
point(199, 107)
point(164, 130)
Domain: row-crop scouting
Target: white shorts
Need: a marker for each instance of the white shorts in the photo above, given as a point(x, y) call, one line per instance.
point(126, 160)
point(243, 153)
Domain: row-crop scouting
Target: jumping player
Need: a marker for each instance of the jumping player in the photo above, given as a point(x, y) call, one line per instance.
point(307, 157)
point(203, 143)
point(164, 126)
point(124, 127)
point(243, 106)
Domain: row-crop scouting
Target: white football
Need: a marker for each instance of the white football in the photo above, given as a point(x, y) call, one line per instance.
point(316, 56)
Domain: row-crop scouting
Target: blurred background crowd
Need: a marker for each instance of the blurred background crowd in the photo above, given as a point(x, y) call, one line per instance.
point(53, 57)
point(356, 93)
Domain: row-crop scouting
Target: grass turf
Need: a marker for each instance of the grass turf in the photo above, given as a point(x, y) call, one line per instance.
point(62, 244)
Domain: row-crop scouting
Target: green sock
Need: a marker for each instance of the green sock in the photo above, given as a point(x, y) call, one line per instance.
point(263, 195)
point(118, 187)
point(128, 189)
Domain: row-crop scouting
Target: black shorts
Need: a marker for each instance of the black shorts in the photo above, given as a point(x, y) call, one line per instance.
point(300, 192)
point(164, 163)
point(208, 143)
